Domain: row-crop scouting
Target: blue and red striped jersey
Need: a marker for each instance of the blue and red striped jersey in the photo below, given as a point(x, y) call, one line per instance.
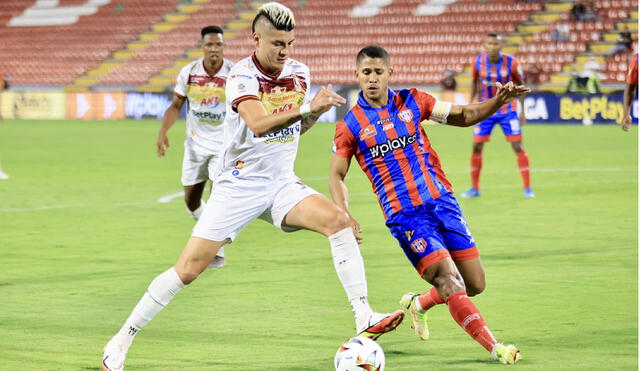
point(506, 69)
point(393, 149)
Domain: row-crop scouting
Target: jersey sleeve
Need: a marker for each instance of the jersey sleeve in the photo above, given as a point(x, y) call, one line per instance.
point(517, 75)
point(307, 94)
point(344, 143)
point(430, 107)
point(632, 75)
point(181, 82)
point(241, 86)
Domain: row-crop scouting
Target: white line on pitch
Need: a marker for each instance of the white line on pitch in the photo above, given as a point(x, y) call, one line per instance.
point(166, 199)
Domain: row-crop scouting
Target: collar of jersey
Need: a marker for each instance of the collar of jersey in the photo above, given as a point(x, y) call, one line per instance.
point(263, 70)
point(364, 104)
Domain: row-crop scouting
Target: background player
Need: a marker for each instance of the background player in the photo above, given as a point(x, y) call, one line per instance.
point(266, 113)
point(487, 69)
point(202, 84)
point(630, 91)
point(383, 132)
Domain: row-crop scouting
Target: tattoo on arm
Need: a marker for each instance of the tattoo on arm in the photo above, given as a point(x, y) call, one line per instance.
point(308, 122)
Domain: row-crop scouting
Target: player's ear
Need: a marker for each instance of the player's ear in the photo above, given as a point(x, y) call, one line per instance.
point(390, 71)
point(256, 38)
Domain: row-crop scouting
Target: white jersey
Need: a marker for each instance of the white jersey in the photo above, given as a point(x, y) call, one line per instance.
point(271, 156)
point(206, 106)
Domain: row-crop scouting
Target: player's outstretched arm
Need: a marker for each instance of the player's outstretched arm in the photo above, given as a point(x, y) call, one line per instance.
point(261, 122)
point(339, 192)
point(471, 114)
point(627, 102)
point(169, 118)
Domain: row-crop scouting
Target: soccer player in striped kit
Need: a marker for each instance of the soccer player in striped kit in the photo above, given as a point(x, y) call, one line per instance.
point(630, 91)
point(383, 132)
point(489, 68)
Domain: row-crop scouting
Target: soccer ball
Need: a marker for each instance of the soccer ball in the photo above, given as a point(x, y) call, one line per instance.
point(359, 353)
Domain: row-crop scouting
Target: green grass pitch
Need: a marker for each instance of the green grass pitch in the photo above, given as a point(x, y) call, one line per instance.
point(82, 235)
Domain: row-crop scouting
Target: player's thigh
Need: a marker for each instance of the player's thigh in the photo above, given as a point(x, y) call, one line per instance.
point(417, 234)
point(482, 131)
point(472, 272)
point(231, 207)
point(297, 206)
point(510, 125)
point(194, 167)
point(460, 243)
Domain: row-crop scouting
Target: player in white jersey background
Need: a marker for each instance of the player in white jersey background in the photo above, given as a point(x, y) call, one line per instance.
point(201, 84)
point(267, 110)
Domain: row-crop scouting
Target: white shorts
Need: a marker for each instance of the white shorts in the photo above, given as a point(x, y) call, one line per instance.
point(234, 204)
point(196, 167)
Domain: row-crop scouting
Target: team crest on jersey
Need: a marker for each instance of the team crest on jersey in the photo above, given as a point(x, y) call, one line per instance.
point(368, 132)
point(419, 245)
point(406, 116)
point(409, 235)
point(239, 164)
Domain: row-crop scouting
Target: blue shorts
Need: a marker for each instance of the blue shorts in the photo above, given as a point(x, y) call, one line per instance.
point(509, 123)
point(432, 232)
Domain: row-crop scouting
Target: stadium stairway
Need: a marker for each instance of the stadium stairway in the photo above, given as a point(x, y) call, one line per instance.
point(244, 14)
point(109, 66)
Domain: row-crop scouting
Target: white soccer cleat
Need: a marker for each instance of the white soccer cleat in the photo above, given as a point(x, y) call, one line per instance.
point(3, 175)
point(113, 357)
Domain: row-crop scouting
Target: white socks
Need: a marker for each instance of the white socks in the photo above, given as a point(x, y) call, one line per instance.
point(350, 268)
point(160, 292)
point(197, 212)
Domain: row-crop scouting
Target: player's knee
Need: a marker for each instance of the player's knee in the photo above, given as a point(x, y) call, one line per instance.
point(517, 146)
point(475, 288)
point(187, 273)
point(449, 283)
point(337, 221)
point(477, 147)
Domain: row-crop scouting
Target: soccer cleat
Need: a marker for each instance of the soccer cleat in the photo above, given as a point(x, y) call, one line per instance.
point(528, 193)
point(381, 323)
point(3, 175)
point(113, 357)
point(506, 354)
point(419, 319)
point(472, 192)
point(218, 262)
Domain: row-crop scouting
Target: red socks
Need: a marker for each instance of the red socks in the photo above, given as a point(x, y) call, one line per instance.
point(429, 299)
point(476, 165)
point(523, 166)
point(465, 313)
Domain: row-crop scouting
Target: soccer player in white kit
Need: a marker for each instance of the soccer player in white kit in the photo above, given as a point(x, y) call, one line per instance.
point(267, 110)
point(201, 83)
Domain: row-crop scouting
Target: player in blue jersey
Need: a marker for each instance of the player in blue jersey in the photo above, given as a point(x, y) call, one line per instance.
point(383, 132)
point(489, 68)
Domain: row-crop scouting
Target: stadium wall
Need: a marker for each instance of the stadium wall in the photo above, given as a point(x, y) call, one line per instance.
point(543, 108)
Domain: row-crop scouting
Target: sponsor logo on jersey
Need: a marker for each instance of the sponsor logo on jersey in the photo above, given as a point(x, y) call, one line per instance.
point(409, 235)
point(406, 115)
point(419, 245)
point(504, 73)
point(368, 132)
point(286, 135)
point(381, 122)
point(388, 126)
point(381, 149)
point(239, 76)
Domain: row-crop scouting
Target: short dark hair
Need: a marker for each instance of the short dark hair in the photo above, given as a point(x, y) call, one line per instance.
point(210, 29)
point(372, 51)
point(277, 14)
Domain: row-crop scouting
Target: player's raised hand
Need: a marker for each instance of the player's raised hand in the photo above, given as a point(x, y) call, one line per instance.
point(162, 144)
point(325, 99)
point(625, 123)
point(510, 91)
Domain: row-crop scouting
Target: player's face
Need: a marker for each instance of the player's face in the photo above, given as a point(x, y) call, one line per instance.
point(273, 47)
point(213, 47)
point(373, 77)
point(492, 46)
